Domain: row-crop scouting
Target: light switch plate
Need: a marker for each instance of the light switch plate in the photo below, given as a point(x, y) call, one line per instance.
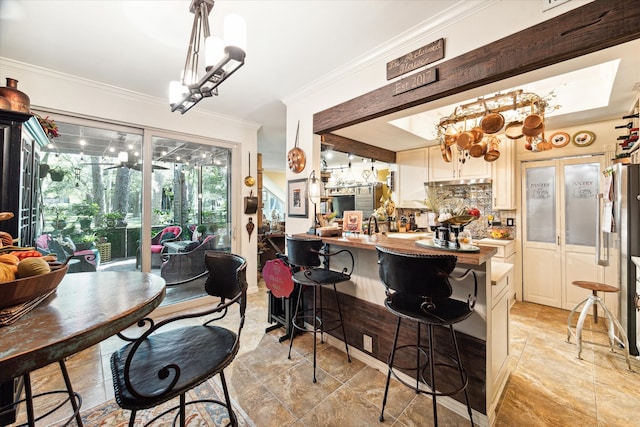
point(510, 222)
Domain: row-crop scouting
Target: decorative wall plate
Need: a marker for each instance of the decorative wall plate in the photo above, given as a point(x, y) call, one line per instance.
point(584, 138)
point(559, 139)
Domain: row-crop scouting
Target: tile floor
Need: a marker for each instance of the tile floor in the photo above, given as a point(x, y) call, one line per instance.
point(549, 386)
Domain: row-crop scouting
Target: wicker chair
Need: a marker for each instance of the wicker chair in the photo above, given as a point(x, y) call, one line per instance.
point(187, 267)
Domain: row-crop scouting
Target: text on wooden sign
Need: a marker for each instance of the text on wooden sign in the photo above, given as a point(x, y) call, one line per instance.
point(416, 59)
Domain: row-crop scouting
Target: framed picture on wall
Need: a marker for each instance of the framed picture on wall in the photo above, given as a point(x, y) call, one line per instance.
point(297, 205)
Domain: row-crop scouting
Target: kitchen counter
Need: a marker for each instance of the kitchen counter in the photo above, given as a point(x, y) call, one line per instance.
point(409, 245)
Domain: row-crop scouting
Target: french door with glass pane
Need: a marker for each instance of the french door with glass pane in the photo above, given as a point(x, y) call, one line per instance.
point(559, 200)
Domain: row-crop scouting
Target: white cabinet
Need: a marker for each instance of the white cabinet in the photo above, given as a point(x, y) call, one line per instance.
point(503, 177)
point(507, 254)
point(498, 358)
point(412, 174)
point(460, 167)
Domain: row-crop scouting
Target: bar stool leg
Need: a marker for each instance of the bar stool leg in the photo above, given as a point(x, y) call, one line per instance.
point(583, 315)
point(612, 336)
point(570, 319)
point(390, 364)
point(463, 378)
point(294, 318)
point(418, 360)
point(315, 329)
point(344, 333)
point(433, 376)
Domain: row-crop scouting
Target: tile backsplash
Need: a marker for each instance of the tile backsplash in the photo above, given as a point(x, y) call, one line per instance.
point(470, 195)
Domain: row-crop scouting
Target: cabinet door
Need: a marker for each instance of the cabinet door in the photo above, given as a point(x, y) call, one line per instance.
point(499, 342)
point(412, 171)
point(439, 170)
point(503, 178)
point(473, 168)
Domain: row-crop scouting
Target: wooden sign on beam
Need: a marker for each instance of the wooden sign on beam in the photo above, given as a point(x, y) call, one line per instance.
point(415, 81)
point(416, 59)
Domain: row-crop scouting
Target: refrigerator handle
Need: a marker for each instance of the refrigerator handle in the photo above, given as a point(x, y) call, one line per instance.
point(601, 241)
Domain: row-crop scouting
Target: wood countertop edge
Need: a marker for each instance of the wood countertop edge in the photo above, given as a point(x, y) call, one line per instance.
point(409, 246)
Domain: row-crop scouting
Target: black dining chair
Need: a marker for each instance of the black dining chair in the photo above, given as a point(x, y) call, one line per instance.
point(304, 255)
point(418, 289)
point(167, 360)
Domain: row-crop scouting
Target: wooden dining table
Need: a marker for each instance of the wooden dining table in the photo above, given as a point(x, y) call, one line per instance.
point(86, 309)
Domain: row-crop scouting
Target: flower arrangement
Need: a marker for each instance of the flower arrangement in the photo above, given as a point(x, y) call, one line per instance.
point(49, 126)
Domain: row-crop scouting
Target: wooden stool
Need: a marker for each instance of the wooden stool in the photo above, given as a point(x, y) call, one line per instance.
point(594, 300)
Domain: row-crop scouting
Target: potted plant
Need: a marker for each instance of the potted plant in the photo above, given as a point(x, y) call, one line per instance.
point(85, 241)
point(112, 217)
point(85, 213)
point(60, 219)
point(57, 174)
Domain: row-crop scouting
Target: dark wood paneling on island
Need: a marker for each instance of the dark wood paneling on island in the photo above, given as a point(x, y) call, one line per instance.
point(362, 317)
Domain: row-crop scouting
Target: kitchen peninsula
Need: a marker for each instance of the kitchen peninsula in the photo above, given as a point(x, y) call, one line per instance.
point(483, 338)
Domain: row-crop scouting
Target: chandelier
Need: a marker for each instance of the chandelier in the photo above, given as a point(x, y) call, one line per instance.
point(221, 58)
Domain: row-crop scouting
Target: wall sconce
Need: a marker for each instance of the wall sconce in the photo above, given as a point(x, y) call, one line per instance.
point(220, 61)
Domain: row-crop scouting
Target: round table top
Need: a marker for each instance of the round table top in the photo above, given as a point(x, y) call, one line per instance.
point(594, 286)
point(85, 309)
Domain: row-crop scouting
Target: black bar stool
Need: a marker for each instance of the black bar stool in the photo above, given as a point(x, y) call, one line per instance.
point(418, 289)
point(304, 253)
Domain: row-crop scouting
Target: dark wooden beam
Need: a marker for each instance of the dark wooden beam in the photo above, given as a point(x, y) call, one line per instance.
point(357, 148)
point(589, 28)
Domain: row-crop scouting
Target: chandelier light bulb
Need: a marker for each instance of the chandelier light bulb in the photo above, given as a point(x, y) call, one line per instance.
point(235, 31)
point(213, 50)
point(176, 91)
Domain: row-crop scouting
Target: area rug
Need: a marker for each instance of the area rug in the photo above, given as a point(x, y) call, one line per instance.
point(109, 414)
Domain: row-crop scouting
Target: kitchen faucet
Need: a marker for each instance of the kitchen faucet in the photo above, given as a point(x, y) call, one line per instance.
point(375, 220)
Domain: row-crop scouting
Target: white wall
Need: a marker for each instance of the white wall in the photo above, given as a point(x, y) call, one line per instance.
point(471, 25)
point(57, 92)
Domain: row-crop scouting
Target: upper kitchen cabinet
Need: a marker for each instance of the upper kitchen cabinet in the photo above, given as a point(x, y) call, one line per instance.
point(503, 177)
point(461, 166)
point(412, 174)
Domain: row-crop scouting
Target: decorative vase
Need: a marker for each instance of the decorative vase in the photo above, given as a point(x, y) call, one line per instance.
point(19, 100)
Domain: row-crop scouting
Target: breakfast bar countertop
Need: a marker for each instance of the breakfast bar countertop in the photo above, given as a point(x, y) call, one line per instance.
point(364, 241)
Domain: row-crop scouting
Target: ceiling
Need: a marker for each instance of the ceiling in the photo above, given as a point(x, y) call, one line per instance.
point(114, 42)
point(141, 46)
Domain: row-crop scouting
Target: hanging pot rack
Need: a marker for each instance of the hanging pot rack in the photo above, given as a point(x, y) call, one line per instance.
point(509, 101)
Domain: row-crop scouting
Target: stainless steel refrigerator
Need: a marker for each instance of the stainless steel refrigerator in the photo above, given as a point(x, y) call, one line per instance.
point(625, 194)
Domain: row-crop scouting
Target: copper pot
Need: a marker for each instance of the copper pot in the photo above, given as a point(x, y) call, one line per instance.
point(451, 135)
point(513, 130)
point(533, 125)
point(465, 139)
point(492, 123)
point(492, 153)
point(478, 134)
point(446, 152)
point(19, 100)
point(296, 159)
point(478, 149)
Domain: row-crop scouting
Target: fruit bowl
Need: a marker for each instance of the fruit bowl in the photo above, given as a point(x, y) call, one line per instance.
point(500, 234)
point(22, 290)
point(459, 220)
